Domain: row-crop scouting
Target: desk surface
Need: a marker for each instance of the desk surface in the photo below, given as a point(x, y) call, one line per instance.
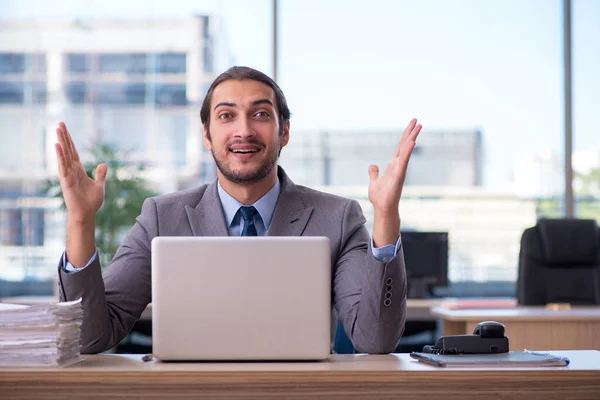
point(517, 314)
point(342, 376)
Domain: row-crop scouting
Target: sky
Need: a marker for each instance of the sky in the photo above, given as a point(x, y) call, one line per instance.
point(496, 66)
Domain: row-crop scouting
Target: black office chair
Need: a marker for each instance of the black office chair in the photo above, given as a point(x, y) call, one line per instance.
point(559, 262)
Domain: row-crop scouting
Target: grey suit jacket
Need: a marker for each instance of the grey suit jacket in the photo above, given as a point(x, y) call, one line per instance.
point(369, 297)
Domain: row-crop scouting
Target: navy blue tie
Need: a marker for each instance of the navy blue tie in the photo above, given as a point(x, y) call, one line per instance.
point(248, 213)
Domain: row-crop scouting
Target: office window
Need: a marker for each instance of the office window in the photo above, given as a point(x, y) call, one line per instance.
point(11, 92)
point(18, 63)
point(35, 92)
point(75, 92)
point(109, 93)
point(11, 229)
point(168, 94)
point(490, 152)
point(12, 63)
point(174, 146)
point(171, 63)
point(207, 50)
point(129, 63)
point(32, 220)
point(124, 80)
point(36, 63)
point(586, 100)
point(207, 58)
point(205, 27)
point(78, 63)
point(22, 227)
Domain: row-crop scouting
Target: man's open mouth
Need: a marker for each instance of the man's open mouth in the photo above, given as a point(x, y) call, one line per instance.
point(245, 151)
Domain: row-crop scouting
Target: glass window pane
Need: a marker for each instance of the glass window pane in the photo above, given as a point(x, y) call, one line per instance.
point(207, 57)
point(586, 106)
point(37, 63)
point(12, 63)
point(165, 94)
point(78, 63)
point(136, 83)
point(11, 92)
point(485, 80)
point(75, 92)
point(126, 63)
point(35, 93)
point(171, 63)
point(109, 93)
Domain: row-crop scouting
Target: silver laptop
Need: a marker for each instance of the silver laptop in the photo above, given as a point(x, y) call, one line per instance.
point(241, 298)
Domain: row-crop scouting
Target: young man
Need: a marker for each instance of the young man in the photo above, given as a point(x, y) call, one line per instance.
point(246, 124)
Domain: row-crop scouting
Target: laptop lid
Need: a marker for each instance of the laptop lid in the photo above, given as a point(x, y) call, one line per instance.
point(241, 298)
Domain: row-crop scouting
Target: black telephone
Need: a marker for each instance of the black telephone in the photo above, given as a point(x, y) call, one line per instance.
point(488, 337)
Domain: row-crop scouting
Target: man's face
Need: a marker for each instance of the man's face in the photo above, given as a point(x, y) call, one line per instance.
point(244, 131)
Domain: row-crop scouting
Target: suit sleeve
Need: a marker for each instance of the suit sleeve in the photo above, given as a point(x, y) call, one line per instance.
point(113, 302)
point(369, 295)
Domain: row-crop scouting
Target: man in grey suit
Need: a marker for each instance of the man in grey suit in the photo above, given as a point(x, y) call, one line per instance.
point(246, 124)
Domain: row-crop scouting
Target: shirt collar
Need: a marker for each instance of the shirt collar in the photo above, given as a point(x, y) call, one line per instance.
point(265, 205)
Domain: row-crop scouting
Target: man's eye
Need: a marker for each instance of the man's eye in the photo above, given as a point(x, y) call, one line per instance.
point(263, 114)
point(224, 116)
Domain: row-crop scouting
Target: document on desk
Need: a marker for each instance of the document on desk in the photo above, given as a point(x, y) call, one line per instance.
point(40, 335)
point(512, 359)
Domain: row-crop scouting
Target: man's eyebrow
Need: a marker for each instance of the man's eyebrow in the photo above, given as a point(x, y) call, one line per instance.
point(225, 104)
point(254, 103)
point(262, 101)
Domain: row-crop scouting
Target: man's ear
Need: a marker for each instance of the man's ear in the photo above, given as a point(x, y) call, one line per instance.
point(285, 136)
point(207, 142)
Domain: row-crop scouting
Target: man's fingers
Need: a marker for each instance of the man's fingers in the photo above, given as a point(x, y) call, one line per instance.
point(373, 172)
point(71, 143)
point(63, 146)
point(62, 168)
point(410, 135)
point(62, 139)
point(101, 171)
point(405, 153)
point(409, 128)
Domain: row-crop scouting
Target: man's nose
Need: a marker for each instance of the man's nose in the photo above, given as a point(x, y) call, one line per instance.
point(244, 128)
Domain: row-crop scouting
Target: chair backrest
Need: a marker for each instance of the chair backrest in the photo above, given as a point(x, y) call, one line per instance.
point(559, 262)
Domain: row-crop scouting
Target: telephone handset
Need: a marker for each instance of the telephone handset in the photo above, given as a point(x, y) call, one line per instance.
point(488, 337)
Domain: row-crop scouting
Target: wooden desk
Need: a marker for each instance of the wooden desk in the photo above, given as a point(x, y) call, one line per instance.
point(531, 327)
point(342, 377)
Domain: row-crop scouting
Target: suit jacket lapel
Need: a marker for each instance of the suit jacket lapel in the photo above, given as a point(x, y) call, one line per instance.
point(291, 215)
point(207, 218)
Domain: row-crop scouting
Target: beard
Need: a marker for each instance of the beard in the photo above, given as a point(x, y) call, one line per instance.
point(245, 177)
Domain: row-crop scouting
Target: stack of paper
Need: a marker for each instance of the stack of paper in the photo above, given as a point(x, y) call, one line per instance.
point(40, 335)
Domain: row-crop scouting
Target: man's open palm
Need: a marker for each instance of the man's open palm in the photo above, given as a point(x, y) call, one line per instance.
point(83, 196)
point(385, 190)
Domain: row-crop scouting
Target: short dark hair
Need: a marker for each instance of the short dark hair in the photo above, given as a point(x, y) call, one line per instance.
point(240, 74)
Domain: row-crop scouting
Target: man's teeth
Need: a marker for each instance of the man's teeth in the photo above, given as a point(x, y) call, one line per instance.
point(245, 151)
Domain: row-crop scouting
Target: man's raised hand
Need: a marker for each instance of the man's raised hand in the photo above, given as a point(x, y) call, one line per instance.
point(83, 195)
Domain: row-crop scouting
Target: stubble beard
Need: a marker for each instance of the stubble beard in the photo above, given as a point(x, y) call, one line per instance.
point(245, 177)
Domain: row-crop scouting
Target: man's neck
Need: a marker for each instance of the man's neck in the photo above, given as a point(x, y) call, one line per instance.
point(248, 194)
